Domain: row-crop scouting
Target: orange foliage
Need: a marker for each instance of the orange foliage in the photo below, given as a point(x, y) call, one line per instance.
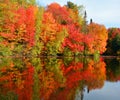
point(49, 28)
point(19, 23)
point(21, 83)
point(100, 36)
point(49, 84)
point(98, 74)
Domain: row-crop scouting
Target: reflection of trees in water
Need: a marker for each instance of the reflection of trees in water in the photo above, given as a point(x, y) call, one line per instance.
point(17, 78)
point(51, 78)
point(79, 76)
point(113, 69)
point(79, 94)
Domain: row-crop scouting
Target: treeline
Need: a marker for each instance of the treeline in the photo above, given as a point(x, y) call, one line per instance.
point(29, 29)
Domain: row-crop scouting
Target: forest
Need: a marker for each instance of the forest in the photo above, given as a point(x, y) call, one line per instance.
point(28, 29)
point(54, 52)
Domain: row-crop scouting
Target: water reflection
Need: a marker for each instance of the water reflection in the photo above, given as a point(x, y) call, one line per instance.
point(54, 79)
point(113, 69)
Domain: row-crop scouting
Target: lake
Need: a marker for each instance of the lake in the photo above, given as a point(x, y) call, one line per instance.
point(51, 78)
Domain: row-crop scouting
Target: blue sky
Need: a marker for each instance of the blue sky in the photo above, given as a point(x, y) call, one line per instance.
point(106, 12)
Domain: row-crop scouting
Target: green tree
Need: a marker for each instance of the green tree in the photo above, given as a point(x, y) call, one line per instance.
point(76, 12)
point(113, 42)
point(116, 44)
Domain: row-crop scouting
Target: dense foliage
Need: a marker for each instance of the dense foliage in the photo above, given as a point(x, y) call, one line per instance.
point(28, 29)
point(113, 42)
point(49, 78)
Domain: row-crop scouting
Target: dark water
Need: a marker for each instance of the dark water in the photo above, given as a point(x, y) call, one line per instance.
point(81, 78)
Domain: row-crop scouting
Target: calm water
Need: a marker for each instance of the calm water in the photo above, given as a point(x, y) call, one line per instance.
point(59, 79)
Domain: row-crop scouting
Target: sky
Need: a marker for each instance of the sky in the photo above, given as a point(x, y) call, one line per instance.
point(106, 12)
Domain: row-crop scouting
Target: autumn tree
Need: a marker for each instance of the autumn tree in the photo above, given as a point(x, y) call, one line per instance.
point(75, 12)
point(100, 36)
point(37, 49)
point(63, 16)
point(17, 25)
point(7, 21)
point(60, 14)
point(52, 34)
point(74, 41)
